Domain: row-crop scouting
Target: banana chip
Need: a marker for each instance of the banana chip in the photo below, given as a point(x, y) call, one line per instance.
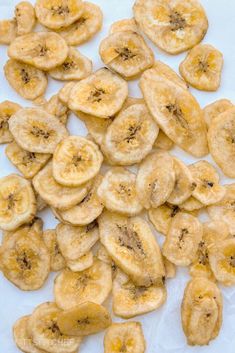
point(57, 259)
point(8, 31)
point(25, 17)
point(81, 264)
point(170, 268)
point(7, 109)
point(212, 110)
point(191, 205)
point(128, 24)
point(56, 107)
point(166, 72)
point(163, 142)
point(162, 216)
point(64, 92)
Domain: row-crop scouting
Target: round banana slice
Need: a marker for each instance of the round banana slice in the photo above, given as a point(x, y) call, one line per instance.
point(57, 259)
point(8, 31)
point(166, 72)
point(202, 67)
point(212, 110)
point(163, 142)
point(56, 107)
point(133, 247)
point(64, 92)
point(7, 109)
point(124, 337)
point(76, 160)
point(28, 163)
point(128, 24)
point(55, 14)
point(81, 264)
point(75, 67)
point(88, 24)
point(102, 94)
point(173, 25)
point(36, 131)
point(176, 111)
point(131, 136)
point(44, 50)
point(155, 179)
point(201, 311)
point(57, 195)
point(126, 53)
point(25, 17)
point(221, 141)
point(162, 216)
point(74, 242)
point(182, 239)
point(45, 332)
point(83, 320)
point(191, 205)
point(73, 288)
point(17, 202)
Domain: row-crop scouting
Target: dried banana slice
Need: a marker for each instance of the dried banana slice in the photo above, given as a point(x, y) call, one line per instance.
point(40, 203)
point(162, 216)
point(28, 163)
point(212, 110)
point(56, 107)
point(128, 24)
point(176, 111)
point(166, 72)
point(133, 247)
point(191, 205)
point(173, 25)
point(44, 50)
point(35, 130)
point(221, 141)
point(64, 92)
point(57, 259)
point(45, 332)
point(170, 268)
point(155, 179)
point(202, 67)
point(102, 94)
point(88, 24)
point(17, 202)
point(73, 288)
point(81, 264)
point(126, 53)
point(83, 320)
point(57, 195)
point(7, 109)
point(126, 336)
point(25, 17)
point(163, 142)
point(201, 311)
point(182, 240)
point(76, 160)
point(8, 31)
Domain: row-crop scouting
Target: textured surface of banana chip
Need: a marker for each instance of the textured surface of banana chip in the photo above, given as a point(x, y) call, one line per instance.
point(126, 53)
point(212, 110)
point(202, 67)
point(56, 107)
point(25, 17)
point(8, 31)
point(191, 205)
point(102, 94)
point(201, 311)
point(44, 50)
point(85, 319)
point(182, 239)
point(174, 26)
point(17, 202)
point(133, 247)
point(35, 130)
point(64, 92)
point(57, 259)
point(126, 336)
point(89, 23)
point(155, 179)
point(73, 288)
point(7, 109)
point(162, 216)
point(163, 142)
point(128, 24)
point(170, 268)
point(81, 264)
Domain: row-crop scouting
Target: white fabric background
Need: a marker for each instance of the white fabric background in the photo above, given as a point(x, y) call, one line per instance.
point(162, 328)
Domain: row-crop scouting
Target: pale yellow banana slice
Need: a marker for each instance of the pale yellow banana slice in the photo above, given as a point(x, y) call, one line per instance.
point(25, 17)
point(182, 239)
point(57, 108)
point(7, 109)
point(17, 202)
point(128, 24)
point(126, 53)
point(102, 94)
point(44, 50)
point(166, 72)
point(81, 264)
point(73, 288)
point(155, 179)
point(125, 337)
point(132, 246)
point(162, 216)
point(57, 260)
point(35, 130)
point(170, 268)
point(163, 142)
point(201, 311)
point(173, 25)
point(88, 24)
point(64, 92)
point(8, 31)
point(212, 110)
point(191, 205)
point(202, 67)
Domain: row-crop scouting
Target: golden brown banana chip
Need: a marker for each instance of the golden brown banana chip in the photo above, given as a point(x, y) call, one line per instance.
point(44, 50)
point(212, 110)
point(163, 142)
point(56, 107)
point(162, 216)
point(25, 17)
point(128, 24)
point(73, 288)
point(64, 92)
point(191, 204)
point(57, 259)
point(173, 25)
point(201, 311)
point(82, 263)
point(7, 109)
point(8, 31)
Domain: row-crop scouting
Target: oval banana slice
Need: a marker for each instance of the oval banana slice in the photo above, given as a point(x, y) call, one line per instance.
point(201, 311)
point(182, 239)
point(212, 110)
point(133, 247)
point(73, 288)
point(64, 92)
point(56, 107)
point(84, 262)
point(85, 319)
point(25, 17)
point(173, 25)
point(155, 179)
point(44, 50)
point(17, 202)
point(162, 216)
point(126, 336)
point(163, 142)
point(126, 53)
point(127, 24)
point(191, 205)
point(8, 31)
point(7, 109)
point(57, 259)
point(88, 24)
point(35, 130)
point(102, 94)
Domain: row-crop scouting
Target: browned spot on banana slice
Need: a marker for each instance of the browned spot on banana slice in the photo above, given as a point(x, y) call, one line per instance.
point(7, 109)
